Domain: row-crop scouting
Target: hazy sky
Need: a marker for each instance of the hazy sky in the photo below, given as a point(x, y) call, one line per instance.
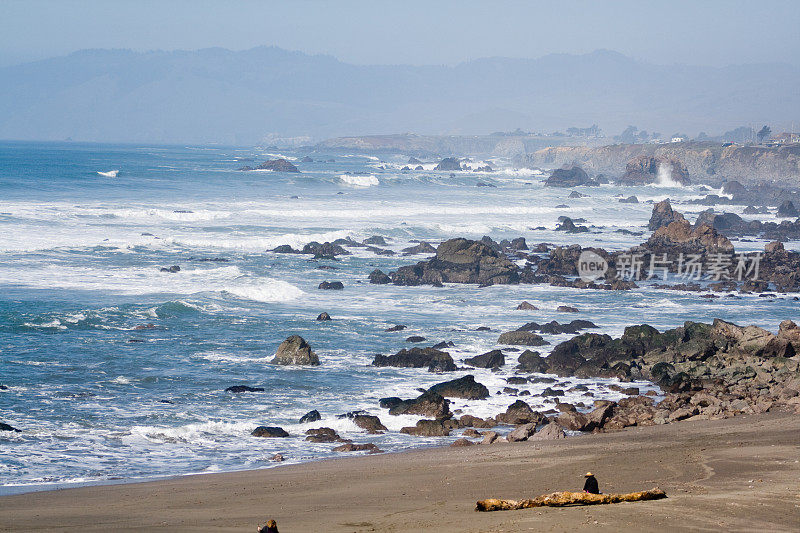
point(707, 32)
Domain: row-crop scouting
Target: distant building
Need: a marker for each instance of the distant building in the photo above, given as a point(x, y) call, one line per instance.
point(678, 139)
point(786, 138)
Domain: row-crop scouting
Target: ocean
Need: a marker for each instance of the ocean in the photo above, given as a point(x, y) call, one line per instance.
point(85, 230)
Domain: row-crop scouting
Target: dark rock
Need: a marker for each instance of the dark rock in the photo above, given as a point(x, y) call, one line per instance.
point(460, 261)
point(172, 270)
point(567, 309)
point(415, 338)
point(269, 432)
point(442, 345)
point(531, 362)
point(311, 416)
point(7, 427)
point(521, 338)
point(492, 359)
point(518, 413)
point(526, 306)
point(379, 278)
point(646, 169)
point(398, 327)
point(376, 240)
point(459, 443)
point(295, 351)
point(629, 200)
point(388, 403)
point(428, 404)
point(427, 428)
point(285, 249)
point(323, 435)
point(331, 285)
point(576, 194)
point(448, 163)
point(421, 248)
point(569, 177)
point(351, 447)
point(435, 360)
point(243, 388)
point(277, 165)
point(370, 423)
point(465, 387)
point(569, 226)
point(323, 316)
point(787, 210)
point(326, 250)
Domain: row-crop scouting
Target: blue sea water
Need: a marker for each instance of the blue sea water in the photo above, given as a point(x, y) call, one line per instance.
point(80, 256)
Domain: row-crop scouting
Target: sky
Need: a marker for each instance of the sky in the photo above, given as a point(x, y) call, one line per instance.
point(708, 32)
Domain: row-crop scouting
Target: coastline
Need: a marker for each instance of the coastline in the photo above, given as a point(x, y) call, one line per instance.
point(735, 474)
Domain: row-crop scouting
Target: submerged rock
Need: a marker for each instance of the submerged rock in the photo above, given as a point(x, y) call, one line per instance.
point(243, 388)
point(277, 165)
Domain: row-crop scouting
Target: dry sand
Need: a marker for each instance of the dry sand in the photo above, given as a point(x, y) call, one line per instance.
point(740, 474)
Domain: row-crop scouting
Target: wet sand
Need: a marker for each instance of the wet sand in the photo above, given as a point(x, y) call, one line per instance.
point(740, 474)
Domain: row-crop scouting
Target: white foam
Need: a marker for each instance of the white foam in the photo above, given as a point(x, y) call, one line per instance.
point(359, 181)
point(109, 174)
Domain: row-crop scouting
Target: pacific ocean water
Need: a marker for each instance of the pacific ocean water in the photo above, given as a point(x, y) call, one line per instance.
point(97, 398)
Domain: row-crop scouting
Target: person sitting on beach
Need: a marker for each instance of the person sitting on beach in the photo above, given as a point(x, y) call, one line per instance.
point(591, 484)
point(270, 527)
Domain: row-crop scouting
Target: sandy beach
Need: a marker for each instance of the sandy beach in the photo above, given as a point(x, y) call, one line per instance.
point(736, 474)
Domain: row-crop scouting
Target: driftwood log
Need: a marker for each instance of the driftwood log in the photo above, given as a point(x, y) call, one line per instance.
point(563, 499)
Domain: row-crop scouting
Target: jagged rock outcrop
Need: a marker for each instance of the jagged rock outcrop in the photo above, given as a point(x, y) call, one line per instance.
point(427, 404)
point(492, 359)
point(448, 164)
point(460, 261)
point(646, 169)
point(663, 215)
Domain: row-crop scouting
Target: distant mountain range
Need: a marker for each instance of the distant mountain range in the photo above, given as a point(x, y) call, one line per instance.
point(252, 96)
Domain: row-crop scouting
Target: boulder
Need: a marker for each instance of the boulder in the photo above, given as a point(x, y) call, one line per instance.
point(435, 360)
point(379, 278)
point(398, 327)
point(326, 250)
point(569, 226)
point(311, 416)
point(322, 317)
point(551, 431)
point(473, 421)
point(375, 240)
point(521, 338)
point(490, 437)
point(458, 443)
point(526, 306)
point(448, 164)
point(295, 351)
point(427, 404)
point(521, 433)
point(530, 361)
point(352, 447)
point(492, 359)
point(427, 428)
point(370, 423)
point(269, 432)
point(331, 285)
point(573, 176)
point(567, 309)
point(574, 421)
point(629, 200)
point(415, 338)
point(518, 413)
point(323, 435)
point(465, 387)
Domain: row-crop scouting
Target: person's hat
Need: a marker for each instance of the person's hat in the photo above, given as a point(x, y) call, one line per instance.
point(588, 474)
